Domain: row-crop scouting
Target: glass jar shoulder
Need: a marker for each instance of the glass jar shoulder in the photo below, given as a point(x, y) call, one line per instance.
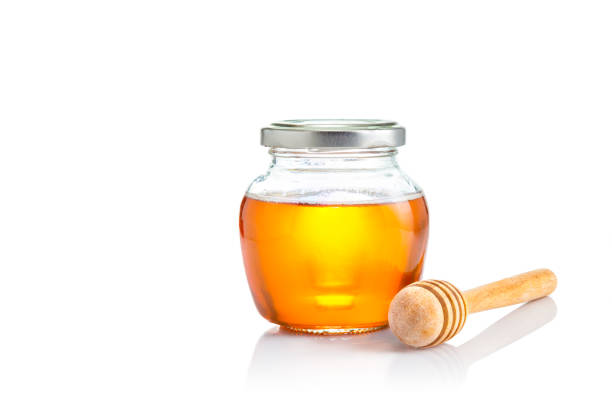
point(334, 186)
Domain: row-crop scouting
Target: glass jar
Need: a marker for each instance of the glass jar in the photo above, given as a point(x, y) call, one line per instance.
point(334, 229)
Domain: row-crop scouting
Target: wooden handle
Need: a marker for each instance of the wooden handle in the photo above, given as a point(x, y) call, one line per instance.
point(517, 289)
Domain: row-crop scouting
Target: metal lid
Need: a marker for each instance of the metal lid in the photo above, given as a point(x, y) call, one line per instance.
point(334, 133)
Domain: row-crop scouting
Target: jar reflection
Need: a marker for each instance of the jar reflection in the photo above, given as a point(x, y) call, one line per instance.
point(281, 357)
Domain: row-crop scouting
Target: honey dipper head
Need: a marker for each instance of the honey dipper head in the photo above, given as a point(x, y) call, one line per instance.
point(427, 313)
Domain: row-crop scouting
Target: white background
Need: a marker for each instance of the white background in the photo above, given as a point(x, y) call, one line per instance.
point(129, 131)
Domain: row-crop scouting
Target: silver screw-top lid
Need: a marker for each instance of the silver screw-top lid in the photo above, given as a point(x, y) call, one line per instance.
point(333, 133)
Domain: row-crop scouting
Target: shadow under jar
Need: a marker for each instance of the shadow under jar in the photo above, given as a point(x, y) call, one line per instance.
point(334, 229)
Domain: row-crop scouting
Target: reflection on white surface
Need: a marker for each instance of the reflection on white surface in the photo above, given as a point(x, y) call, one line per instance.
point(282, 357)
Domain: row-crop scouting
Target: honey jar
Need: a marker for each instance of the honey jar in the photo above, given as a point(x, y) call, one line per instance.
point(334, 228)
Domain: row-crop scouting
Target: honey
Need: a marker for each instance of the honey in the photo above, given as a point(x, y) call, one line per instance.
point(328, 268)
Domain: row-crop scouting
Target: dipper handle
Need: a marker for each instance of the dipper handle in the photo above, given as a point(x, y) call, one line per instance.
point(510, 291)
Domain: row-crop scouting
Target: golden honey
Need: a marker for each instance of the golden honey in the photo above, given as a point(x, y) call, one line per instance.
point(331, 268)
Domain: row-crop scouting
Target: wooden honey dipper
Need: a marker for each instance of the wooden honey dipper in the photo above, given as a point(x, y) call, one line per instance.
point(428, 313)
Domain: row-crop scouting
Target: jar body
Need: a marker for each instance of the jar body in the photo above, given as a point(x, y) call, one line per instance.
point(328, 238)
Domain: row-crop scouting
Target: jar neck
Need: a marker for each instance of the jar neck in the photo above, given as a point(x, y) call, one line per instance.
point(329, 158)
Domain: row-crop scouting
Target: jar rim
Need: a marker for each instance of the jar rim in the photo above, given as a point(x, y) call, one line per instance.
point(333, 153)
point(333, 133)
